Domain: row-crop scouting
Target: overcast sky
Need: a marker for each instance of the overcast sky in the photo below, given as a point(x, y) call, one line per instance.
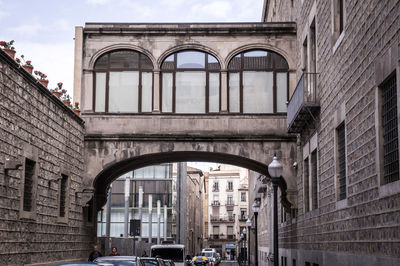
point(43, 30)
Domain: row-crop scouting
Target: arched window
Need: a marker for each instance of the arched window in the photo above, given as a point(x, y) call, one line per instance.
point(190, 83)
point(123, 82)
point(258, 83)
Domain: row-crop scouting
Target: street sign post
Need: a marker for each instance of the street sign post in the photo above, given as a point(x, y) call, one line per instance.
point(134, 228)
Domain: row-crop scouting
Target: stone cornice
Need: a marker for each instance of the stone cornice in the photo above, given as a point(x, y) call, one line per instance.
point(33, 81)
point(188, 137)
point(203, 29)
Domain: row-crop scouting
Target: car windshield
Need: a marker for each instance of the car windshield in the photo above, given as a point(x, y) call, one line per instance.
point(207, 254)
point(174, 254)
point(119, 262)
point(150, 263)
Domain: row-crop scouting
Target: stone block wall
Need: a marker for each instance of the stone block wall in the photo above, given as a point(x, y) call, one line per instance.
point(34, 121)
point(367, 223)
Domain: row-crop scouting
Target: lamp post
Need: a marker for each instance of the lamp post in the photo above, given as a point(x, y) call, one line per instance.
point(256, 208)
point(245, 247)
point(248, 223)
point(275, 170)
point(241, 248)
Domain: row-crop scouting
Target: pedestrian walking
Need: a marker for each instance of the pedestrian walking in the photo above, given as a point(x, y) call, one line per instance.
point(114, 252)
point(95, 253)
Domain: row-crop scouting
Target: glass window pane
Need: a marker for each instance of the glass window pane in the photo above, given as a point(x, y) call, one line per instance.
point(116, 229)
point(169, 62)
point(280, 62)
point(166, 92)
point(124, 59)
point(257, 92)
point(213, 62)
point(281, 92)
point(102, 62)
point(100, 92)
point(214, 92)
point(190, 92)
point(258, 60)
point(235, 63)
point(123, 94)
point(147, 91)
point(234, 92)
point(145, 62)
point(191, 59)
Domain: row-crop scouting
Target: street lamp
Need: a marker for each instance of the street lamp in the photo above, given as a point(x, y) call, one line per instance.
point(256, 208)
point(248, 223)
point(245, 247)
point(275, 170)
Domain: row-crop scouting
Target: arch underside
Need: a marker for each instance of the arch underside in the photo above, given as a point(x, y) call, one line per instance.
point(111, 172)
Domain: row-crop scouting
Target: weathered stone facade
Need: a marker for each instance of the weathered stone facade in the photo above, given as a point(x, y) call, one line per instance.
point(117, 142)
point(36, 125)
point(363, 228)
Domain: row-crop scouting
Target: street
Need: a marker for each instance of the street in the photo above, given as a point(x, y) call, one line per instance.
point(228, 263)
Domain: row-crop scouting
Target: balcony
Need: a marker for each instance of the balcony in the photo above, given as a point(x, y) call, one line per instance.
point(215, 237)
point(229, 189)
point(215, 189)
point(222, 219)
point(230, 205)
point(222, 237)
point(230, 237)
point(215, 203)
point(303, 105)
point(243, 218)
point(261, 185)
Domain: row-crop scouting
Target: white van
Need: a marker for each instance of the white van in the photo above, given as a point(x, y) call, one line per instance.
point(211, 255)
point(208, 250)
point(174, 252)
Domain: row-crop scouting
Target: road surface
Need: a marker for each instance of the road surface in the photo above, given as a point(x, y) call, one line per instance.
point(228, 263)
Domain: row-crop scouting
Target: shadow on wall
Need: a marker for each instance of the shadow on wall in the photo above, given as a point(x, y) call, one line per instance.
point(125, 246)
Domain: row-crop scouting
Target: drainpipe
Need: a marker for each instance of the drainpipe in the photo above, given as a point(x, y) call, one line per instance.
point(158, 221)
point(150, 218)
point(140, 211)
point(126, 222)
point(165, 222)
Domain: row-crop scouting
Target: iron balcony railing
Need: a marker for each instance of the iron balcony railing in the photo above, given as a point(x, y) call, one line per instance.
point(215, 203)
point(303, 103)
point(223, 218)
point(243, 218)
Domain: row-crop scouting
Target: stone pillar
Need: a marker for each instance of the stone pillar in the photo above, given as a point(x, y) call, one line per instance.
point(78, 64)
point(156, 91)
point(150, 218)
point(224, 91)
point(158, 221)
point(126, 220)
point(141, 211)
point(108, 210)
point(165, 222)
point(182, 198)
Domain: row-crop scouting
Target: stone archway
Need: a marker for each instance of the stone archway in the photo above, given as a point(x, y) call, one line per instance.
point(108, 159)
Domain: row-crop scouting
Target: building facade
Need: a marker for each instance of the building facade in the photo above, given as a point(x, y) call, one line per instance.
point(227, 208)
point(154, 196)
point(345, 112)
point(43, 211)
point(195, 198)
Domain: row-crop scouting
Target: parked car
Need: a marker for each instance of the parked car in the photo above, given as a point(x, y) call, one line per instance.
point(75, 264)
point(169, 263)
point(119, 261)
point(148, 261)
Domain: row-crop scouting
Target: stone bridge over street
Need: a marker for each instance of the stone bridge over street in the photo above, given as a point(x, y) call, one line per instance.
point(185, 108)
